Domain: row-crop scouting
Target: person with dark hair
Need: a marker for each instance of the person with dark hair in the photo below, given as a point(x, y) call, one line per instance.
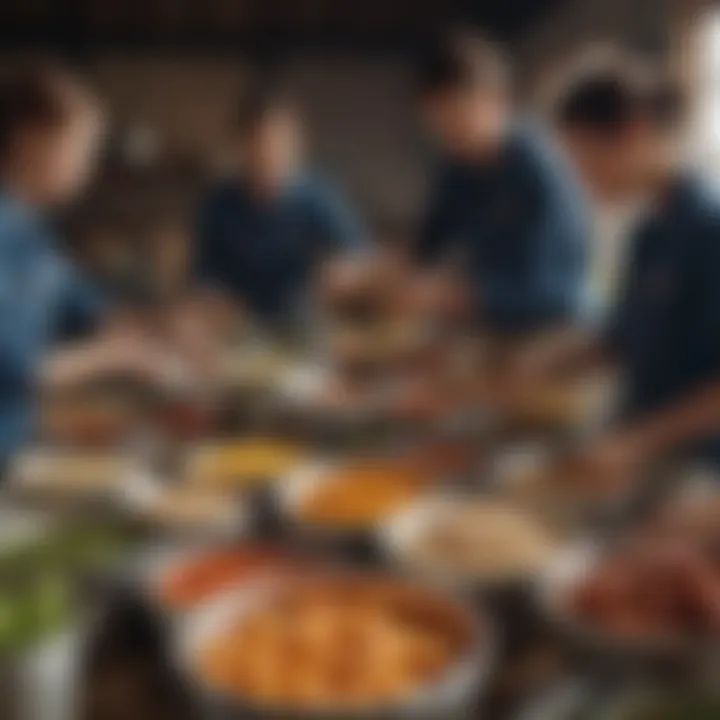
point(504, 202)
point(50, 127)
point(624, 125)
point(262, 234)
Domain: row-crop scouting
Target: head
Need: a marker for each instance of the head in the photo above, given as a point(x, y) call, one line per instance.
point(50, 133)
point(269, 138)
point(464, 88)
point(620, 123)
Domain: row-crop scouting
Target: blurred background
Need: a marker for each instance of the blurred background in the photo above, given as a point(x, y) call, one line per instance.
point(171, 71)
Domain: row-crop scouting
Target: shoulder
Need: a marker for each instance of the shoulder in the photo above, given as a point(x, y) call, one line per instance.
point(316, 190)
point(536, 153)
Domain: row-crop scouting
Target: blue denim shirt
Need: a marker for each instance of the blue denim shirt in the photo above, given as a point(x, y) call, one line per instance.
point(520, 224)
point(666, 329)
point(265, 254)
point(41, 298)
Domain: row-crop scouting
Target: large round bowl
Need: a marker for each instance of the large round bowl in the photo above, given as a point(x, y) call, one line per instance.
point(454, 695)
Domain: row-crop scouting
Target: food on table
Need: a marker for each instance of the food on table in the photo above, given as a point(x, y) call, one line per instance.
point(188, 418)
point(86, 421)
point(67, 472)
point(362, 494)
point(246, 461)
point(37, 576)
point(202, 577)
point(446, 458)
point(188, 506)
point(652, 594)
point(484, 539)
point(336, 644)
point(253, 367)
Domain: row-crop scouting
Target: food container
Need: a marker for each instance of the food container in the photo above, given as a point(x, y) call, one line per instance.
point(357, 538)
point(182, 512)
point(66, 477)
point(90, 420)
point(408, 541)
point(452, 695)
point(240, 465)
point(642, 653)
point(169, 569)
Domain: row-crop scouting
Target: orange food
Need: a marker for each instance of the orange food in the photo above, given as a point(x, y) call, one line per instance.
point(205, 576)
point(361, 495)
point(323, 651)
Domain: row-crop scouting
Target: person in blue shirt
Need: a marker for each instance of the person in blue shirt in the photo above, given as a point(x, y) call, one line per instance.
point(264, 233)
point(50, 128)
point(505, 206)
point(622, 122)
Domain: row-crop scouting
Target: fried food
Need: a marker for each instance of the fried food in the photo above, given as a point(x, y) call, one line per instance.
point(363, 494)
point(321, 651)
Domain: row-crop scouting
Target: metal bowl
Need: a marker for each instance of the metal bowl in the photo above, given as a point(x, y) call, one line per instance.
point(454, 695)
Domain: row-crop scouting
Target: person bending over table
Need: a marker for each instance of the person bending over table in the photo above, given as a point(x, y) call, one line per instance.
point(623, 124)
point(263, 234)
point(50, 128)
point(505, 205)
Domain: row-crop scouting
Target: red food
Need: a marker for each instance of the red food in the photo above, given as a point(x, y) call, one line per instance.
point(669, 592)
point(205, 576)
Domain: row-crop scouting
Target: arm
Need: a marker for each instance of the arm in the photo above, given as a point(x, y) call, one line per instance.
point(694, 417)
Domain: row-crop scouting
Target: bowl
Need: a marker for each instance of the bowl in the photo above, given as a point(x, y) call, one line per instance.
point(453, 694)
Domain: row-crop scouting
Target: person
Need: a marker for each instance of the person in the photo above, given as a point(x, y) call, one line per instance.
point(624, 123)
point(50, 131)
point(263, 234)
point(505, 205)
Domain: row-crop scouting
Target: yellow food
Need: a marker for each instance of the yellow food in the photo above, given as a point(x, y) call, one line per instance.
point(257, 460)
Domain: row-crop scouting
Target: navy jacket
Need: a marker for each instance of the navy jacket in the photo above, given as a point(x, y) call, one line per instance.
point(265, 254)
point(520, 226)
point(666, 330)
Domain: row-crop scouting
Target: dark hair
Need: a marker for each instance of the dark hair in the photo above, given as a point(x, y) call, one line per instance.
point(263, 97)
point(39, 96)
point(461, 60)
point(604, 99)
